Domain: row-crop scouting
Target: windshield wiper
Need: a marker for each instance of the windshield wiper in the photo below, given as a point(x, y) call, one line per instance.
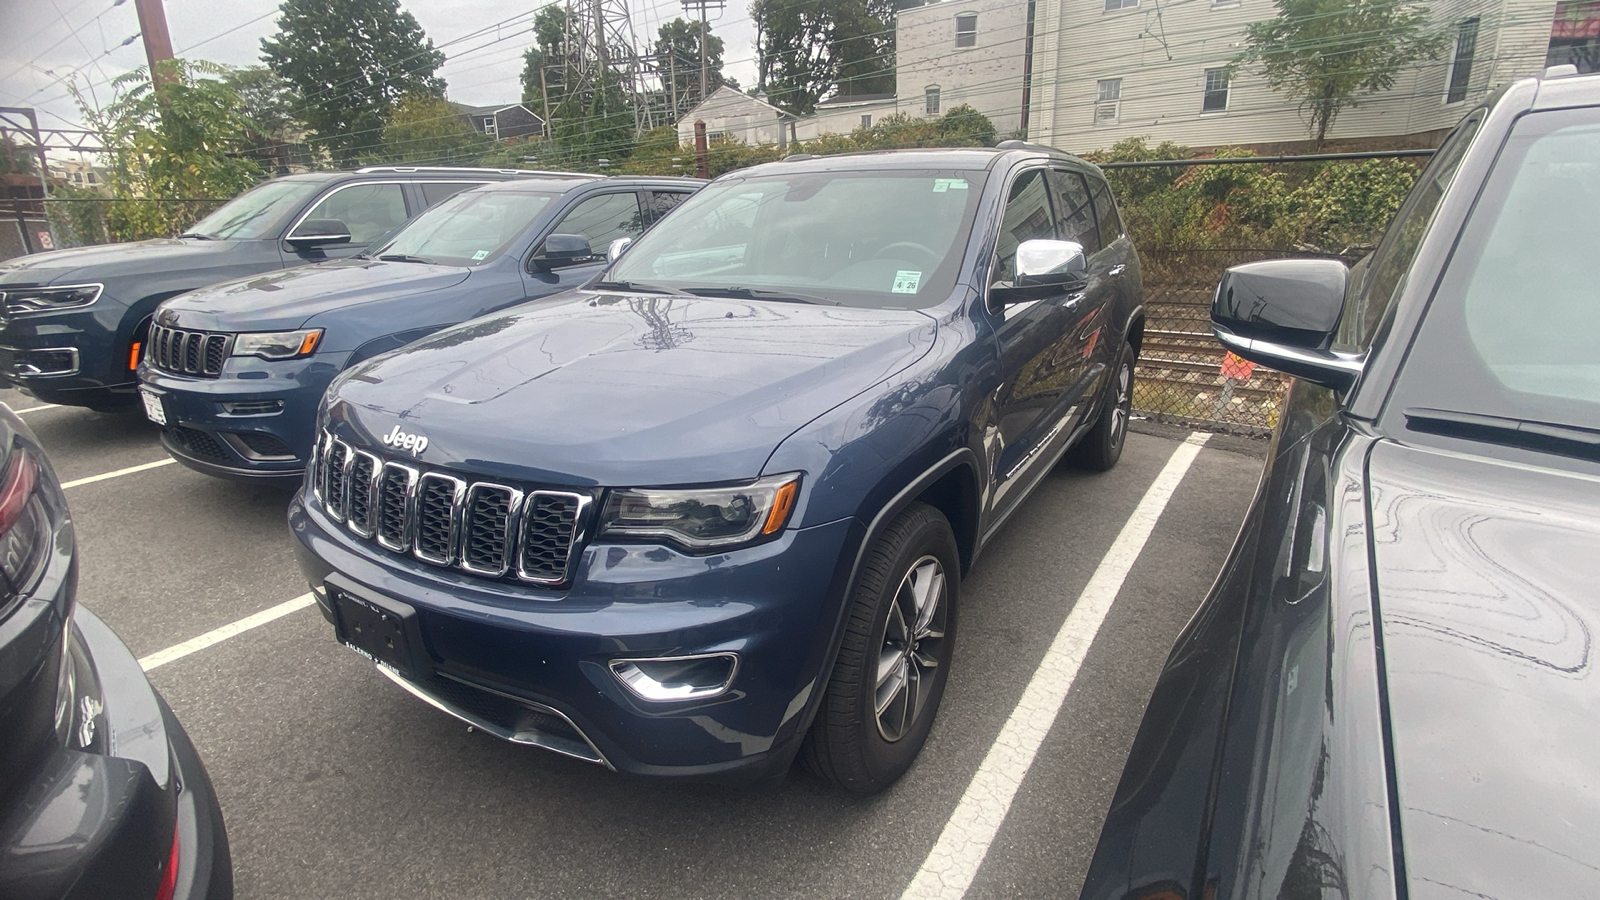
point(635, 287)
point(1547, 437)
point(404, 257)
point(744, 293)
point(198, 236)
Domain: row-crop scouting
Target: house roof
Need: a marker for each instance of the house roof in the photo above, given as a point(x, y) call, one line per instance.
point(689, 116)
point(494, 109)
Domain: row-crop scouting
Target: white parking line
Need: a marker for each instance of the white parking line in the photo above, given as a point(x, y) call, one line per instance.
point(218, 635)
point(119, 473)
point(37, 408)
point(951, 865)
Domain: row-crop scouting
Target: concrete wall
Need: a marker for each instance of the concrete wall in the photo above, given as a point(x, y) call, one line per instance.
point(1162, 65)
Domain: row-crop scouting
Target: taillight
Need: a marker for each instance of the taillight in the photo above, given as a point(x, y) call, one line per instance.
point(24, 529)
point(169, 878)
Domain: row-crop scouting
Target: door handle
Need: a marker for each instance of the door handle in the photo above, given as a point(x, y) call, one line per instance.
point(1116, 270)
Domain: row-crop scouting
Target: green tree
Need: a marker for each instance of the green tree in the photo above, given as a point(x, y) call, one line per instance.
point(595, 125)
point(809, 48)
point(424, 129)
point(168, 146)
point(677, 54)
point(16, 160)
point(548, 59)
point(1327, 54)
point(351, 60)
point(277, 135)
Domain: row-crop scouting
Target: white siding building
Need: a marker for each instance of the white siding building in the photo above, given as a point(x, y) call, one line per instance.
point(962, 51)
point(1105, 70)
point(734, 114)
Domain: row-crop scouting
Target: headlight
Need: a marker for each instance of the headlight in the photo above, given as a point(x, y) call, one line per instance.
point(278, 344)
point(31, 300)
point(703, 518)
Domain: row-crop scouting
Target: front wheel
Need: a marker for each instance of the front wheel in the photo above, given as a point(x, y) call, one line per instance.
point(1101, 447)
point(895, 658)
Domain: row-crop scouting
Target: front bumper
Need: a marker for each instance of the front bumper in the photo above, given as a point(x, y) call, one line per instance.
point(255, 421)
point(102, 825)
point(500, 654)
point(75, 357)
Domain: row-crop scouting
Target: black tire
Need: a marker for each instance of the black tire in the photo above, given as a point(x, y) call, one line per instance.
point(852, 743)
point(1101, 447)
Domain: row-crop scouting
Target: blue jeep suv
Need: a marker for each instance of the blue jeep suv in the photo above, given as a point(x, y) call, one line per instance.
point(713, 509)
point(73, 322)
point(234, 372)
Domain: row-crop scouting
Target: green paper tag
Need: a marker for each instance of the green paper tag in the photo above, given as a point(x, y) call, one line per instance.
point(480, 254)
point(905, 281)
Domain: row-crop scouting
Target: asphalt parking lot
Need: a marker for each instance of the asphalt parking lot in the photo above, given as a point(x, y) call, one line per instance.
point(335, 783)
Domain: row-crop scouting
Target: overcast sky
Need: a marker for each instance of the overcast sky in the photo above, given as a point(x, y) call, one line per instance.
point(44, 42)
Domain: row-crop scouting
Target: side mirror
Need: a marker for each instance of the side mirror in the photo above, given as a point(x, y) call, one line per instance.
point(562, 249)
point(617, 248)
point(1282, 313)
point(317, 232)
point(1044, 268)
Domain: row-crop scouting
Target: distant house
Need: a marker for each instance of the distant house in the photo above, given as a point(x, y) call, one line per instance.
point(501, 122)
point(730, 113)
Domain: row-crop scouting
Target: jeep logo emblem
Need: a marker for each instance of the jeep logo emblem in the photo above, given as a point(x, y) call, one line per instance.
point(416, 443)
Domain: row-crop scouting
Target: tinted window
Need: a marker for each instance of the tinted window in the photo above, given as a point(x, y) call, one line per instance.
point(1027, 216)
point(1074, 210)
point(1512, 330)
point(603, 219)
point(256, 213)
point(1105, 212)
point(433, 192)
point(370, 211)
point(662, 202)
point(1387, 268)
point(469, 229)
point(874, 238)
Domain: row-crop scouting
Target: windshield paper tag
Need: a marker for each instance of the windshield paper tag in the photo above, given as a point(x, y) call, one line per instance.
point(480, 254)
point(905, 282)
point(941, 185)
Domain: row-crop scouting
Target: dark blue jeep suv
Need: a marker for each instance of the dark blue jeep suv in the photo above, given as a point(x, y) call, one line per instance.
point(73, 322)
point(235, 372)
point(713, 510)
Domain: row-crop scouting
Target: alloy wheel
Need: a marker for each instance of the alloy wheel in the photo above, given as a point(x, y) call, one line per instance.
point(1124, 402)
point(913, 636)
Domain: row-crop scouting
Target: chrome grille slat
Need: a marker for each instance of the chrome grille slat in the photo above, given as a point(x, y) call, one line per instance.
point(184, 352)
point(481, 527)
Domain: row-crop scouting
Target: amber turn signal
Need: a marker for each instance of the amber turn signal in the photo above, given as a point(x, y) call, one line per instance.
point(782, 505)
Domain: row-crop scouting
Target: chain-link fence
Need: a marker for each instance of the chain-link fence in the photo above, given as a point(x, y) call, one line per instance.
point(1192, 219)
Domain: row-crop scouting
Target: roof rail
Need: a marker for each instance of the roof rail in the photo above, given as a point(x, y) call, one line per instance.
point(468, 170)
point(1015, 144)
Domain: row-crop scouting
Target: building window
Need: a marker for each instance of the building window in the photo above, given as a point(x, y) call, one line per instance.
point(713, 136)
point(1216, 98)
point(866, 120)
point(930, 98)
point(1575, 36)
point(967, 30)
point(1461, 61)
point(1121, 4)
point(488, 126)
point(1107, 101)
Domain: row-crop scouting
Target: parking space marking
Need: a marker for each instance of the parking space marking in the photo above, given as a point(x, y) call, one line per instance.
point(218, 635)
point(142, 467)
point(37, 408)
point(953, 862)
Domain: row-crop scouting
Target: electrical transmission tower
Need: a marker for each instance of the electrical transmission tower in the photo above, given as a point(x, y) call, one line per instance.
point(602, 30)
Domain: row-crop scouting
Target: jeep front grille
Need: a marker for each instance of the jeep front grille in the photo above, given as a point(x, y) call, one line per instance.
point(488, 529)
point(182, 352)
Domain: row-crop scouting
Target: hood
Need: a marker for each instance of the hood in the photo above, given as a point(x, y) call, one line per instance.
point(617, 390)
point(284, 299)
point(102, 261)
point(1487, 575)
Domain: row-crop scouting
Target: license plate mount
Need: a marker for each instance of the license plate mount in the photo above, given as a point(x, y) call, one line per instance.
point(153, 408)
point(379, 628)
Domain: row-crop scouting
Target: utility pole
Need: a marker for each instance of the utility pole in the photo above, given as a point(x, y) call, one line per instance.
point(157, 42)
point(703, 5)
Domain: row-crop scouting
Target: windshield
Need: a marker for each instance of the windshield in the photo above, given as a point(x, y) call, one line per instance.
point(1514, 329)
point(469, 229)
point(870, 239)
point(256, 213)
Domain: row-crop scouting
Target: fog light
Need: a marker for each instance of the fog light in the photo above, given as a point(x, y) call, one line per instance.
point(677, 677)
